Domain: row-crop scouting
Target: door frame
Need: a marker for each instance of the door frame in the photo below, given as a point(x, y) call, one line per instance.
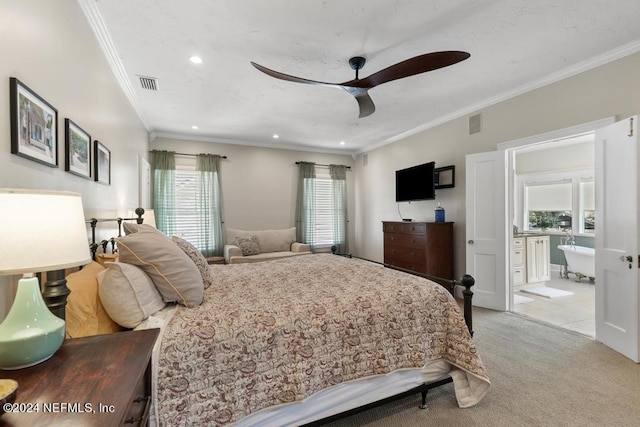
point(511, 147)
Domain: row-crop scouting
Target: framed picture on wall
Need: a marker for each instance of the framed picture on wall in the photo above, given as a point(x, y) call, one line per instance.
point(77, 149)
point(34, 125)
point(102, 160)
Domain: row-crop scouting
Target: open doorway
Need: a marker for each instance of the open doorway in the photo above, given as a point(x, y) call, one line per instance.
point(554, 230)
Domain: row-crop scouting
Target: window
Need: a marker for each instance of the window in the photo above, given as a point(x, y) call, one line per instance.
point(187, 217)
point(562, 200)
point(549, 205)
point(186, 199)
point(321, 213)
point(587, 206)
point(324, 217)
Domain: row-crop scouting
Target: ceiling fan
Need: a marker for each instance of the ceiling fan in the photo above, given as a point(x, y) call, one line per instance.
point(359, 87)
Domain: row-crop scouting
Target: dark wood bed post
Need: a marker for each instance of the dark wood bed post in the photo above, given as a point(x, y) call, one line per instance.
point(468, 281)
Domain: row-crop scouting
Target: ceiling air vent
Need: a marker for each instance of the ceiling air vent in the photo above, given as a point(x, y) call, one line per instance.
point(149, 83)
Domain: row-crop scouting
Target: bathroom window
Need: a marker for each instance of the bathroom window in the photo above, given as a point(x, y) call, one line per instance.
point(548, 205)
point(587, 206)
point(560, 201)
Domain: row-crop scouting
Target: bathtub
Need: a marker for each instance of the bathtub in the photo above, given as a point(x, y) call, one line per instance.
point(581, 261)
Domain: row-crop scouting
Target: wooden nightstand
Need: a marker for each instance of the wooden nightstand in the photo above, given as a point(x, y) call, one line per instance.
point(103, 380)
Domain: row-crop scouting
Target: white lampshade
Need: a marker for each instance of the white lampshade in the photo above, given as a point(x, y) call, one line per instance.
point(41, 231)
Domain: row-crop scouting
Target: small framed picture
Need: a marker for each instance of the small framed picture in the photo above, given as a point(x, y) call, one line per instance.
point(445, 177)
point(34, 125)
point(77, 149)
point(102, 160)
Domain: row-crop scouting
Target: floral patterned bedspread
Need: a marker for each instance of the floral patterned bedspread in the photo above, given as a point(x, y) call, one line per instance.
point(275, 332)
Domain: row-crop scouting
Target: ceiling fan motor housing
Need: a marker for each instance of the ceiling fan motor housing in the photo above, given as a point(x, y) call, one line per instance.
point(357, 62)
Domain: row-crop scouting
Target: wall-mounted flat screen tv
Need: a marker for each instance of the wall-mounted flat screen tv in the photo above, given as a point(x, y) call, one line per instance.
point(416, 183)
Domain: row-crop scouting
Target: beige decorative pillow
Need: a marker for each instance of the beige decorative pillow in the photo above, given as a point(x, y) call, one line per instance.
point(198, 259)
point(132, 227)
point(173, 273)
point(248, 245)
point(84, 313)
point(128, 294)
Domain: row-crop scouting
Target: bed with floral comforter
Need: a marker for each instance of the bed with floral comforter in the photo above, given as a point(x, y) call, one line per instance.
point(277, 332)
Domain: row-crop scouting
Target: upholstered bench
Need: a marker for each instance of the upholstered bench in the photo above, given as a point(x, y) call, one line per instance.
point(262, 245)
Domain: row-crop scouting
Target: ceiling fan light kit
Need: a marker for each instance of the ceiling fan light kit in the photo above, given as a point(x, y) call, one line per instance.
point(358, 88)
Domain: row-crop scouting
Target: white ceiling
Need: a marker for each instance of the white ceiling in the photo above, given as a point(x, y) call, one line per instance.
point(515, 46)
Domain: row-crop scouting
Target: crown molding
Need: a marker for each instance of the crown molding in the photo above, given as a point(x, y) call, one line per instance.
point(607, 57)
point(97, 24)
point(280, 146)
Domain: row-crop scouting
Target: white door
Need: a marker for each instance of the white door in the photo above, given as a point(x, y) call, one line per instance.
point(617, 296)
point(486, 224)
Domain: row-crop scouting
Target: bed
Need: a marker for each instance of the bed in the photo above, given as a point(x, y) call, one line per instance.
point(295, 341)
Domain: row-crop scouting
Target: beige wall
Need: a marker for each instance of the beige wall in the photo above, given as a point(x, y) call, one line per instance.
point(573, 156)
point(596, 94)
point(259, 184)
point(49, 46)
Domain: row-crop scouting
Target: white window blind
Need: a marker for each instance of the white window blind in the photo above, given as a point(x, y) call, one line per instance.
point(324, 234)
point(549, 197)
point(186, 206)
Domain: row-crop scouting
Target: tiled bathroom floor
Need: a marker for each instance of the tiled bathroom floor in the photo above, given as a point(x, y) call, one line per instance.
point(575, 312)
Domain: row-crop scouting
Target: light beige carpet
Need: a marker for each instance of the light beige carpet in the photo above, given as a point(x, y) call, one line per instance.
point(541, 376)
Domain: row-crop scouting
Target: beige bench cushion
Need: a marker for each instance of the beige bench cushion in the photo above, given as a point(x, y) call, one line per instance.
point(268, 240)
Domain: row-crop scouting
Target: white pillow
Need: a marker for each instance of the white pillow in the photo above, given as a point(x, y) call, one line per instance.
point(128, 294)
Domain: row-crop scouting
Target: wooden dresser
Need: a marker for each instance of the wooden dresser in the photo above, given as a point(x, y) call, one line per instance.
point(423, 247)
point(103, 380)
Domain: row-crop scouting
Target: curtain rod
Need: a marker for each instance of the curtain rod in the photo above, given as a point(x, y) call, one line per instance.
point(326, 166)
point(190, 155)
point(195, 155)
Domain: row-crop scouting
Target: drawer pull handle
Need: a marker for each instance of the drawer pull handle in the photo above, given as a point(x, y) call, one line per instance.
point(133, 420)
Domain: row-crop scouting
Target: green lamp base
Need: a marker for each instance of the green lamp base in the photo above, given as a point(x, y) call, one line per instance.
point(30, 334)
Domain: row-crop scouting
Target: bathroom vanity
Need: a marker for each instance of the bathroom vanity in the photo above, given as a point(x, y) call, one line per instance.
point(530, 259)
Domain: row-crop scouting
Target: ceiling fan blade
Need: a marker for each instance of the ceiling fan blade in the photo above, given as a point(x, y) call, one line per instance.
point(364, 100)
point(366, 105)
point(289, 78)
point(410, 67)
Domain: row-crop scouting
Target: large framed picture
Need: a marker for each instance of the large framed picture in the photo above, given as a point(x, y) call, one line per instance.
point(77, 149)
point(102, 160)
point(34, 125)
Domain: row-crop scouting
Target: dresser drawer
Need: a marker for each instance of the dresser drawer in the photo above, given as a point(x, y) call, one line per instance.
point(408, 240)
point(414, 228)
point(413, 265)
point(392, 227)
point(402, 252)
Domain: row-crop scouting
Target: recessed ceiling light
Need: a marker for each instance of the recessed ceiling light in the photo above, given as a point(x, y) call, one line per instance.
point(196, 59)
point(341, 142)
point(194, 127)
point(276, 136)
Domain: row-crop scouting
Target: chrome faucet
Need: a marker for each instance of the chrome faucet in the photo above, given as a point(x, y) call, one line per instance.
point(569, 239)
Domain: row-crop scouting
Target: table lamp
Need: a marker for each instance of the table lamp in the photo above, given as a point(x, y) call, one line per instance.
point(40, 231)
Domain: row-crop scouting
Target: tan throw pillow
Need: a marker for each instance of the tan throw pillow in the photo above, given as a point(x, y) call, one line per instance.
point(248, 245)
point(132, 227)
point(173, 273)
point(84, 313)
point(198, 259)
point(128, 294)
